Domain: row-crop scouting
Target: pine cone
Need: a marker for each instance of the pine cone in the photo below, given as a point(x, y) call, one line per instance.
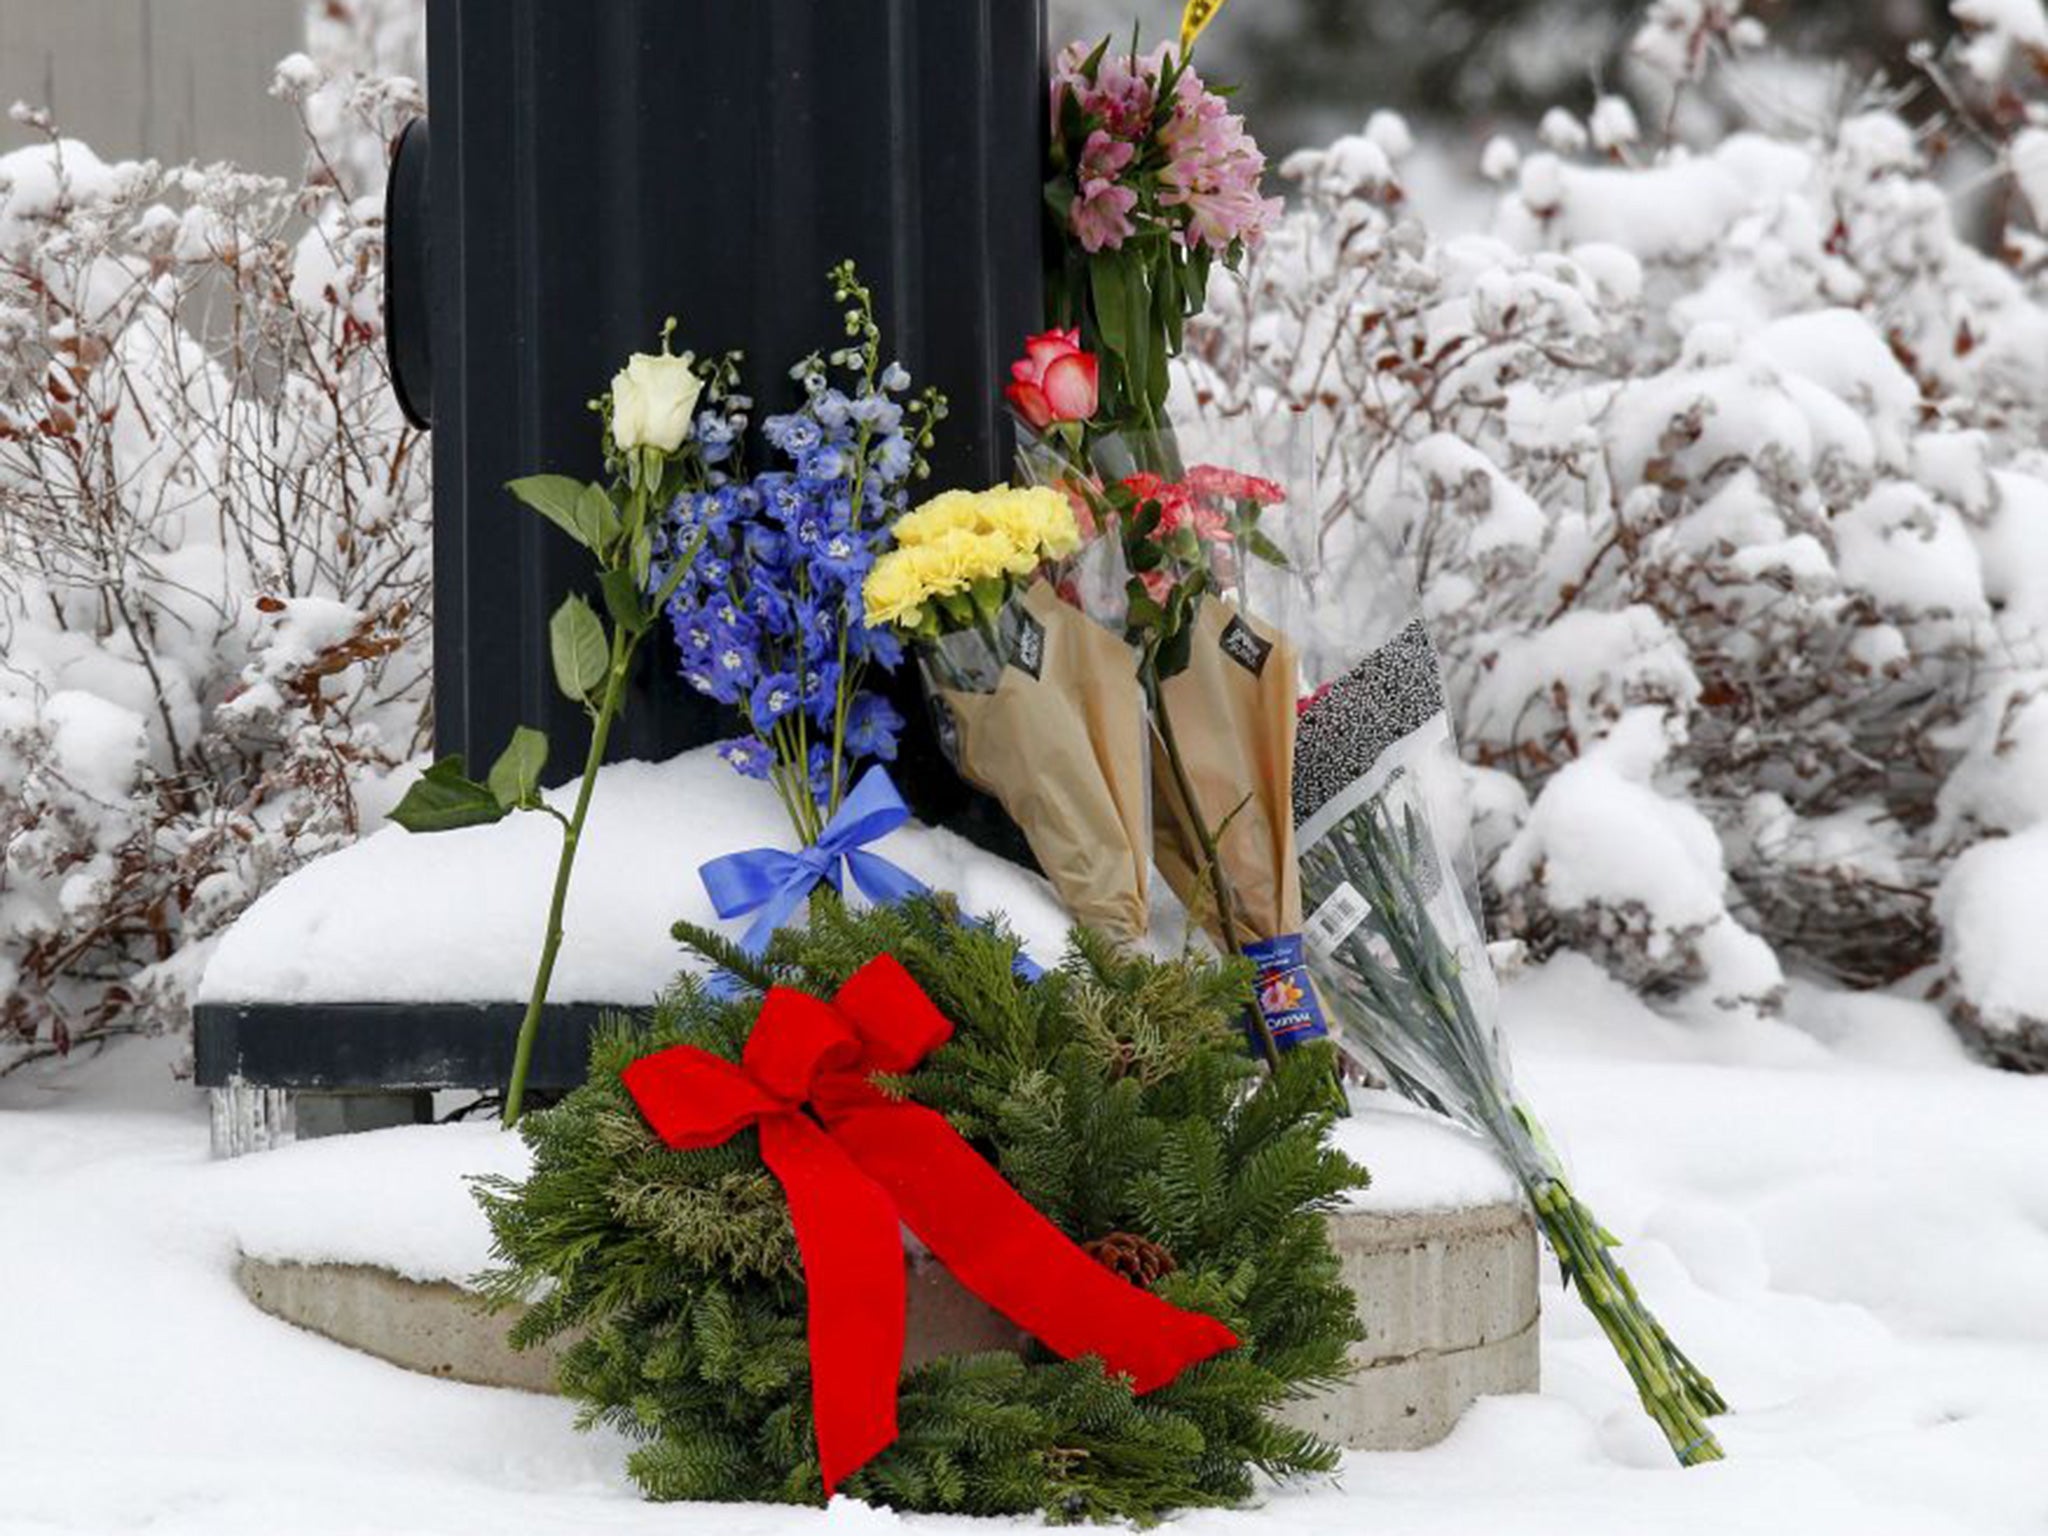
point(1139, 1260)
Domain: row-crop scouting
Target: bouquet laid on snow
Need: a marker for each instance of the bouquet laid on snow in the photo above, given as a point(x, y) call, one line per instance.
point(1393, 938)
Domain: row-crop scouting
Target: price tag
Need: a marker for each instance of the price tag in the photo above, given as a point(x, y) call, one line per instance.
point(1333, 922)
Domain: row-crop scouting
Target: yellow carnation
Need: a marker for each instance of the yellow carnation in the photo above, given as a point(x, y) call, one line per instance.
point(1058, 534)
point(895, 591)
point(947, 512)
point(1010, 518)
point(961, 537)
point(960, 556)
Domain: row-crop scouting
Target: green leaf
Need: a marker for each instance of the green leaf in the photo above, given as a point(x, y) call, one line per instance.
point(577, 646)
point(1174, 652)
point(1143, 612)
point(1138, 344)
point(988, 593)
point(1110, 288)
point(597, 517)
point(444, 798)
point(560, 500)
point(1152, 342)
point(1264, 548)
point(623, 600)
point(1166, 300)
point(515, 777)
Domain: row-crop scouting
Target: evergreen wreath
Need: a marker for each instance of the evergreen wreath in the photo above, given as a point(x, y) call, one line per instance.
point(1115, 1095)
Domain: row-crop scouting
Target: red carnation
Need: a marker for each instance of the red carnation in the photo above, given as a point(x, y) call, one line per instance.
point(1232, 485)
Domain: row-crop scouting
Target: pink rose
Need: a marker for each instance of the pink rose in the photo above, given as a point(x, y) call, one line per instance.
point(1055, 380)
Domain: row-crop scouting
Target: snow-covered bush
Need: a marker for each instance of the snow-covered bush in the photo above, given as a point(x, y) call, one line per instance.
point(1722, 472)
point(213, 564)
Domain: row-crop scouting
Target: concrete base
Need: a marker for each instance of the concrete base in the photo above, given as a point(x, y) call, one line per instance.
point(1448, 1299)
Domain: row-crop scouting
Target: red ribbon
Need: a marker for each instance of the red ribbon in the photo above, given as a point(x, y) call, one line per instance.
point(860, 1162)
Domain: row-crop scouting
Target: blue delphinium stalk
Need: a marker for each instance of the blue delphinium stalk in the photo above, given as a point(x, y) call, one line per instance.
point(769, 621)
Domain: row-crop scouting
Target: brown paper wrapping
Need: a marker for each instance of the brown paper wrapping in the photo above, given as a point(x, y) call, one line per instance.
point(1065, 754)
point(1235, 729)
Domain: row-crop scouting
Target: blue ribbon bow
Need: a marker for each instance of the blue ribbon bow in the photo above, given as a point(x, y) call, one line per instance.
point(772, 882)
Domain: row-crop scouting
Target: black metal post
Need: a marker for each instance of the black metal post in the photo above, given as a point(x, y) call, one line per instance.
point(596, 167)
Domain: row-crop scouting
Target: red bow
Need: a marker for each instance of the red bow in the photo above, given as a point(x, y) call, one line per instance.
point(866, 1162)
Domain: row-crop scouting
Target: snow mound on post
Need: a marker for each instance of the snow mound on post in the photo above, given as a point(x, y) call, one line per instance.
point(457, 916)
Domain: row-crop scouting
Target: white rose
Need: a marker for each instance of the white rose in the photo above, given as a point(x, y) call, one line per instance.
point(653, 397)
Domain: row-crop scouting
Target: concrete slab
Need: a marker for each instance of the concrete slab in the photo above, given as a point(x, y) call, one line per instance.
point(1448, 1299)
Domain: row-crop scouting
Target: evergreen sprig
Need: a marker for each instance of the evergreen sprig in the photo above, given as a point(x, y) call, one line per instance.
point(1114, 1094)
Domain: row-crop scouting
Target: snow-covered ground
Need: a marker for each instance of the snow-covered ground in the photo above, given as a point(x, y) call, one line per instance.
point(1845, 1221)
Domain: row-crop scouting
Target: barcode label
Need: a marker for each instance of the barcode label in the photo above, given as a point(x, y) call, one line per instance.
point(1332, 922)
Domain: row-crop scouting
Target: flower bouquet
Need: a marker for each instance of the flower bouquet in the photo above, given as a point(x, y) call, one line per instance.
point(1154, 182)
point(1219, 682)
point(1393, 937)
point(1036, 703)
point(769, 618)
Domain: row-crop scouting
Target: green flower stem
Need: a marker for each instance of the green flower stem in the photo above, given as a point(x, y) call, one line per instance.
point(625, 644)
point(572, 835)
point(1212, 863)
point(1431, 1034)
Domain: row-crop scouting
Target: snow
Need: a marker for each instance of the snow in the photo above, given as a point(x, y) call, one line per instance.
point(40, 181)
point(457, 916)
point(1601, 837)
point(2014, 547)
point(1844, 1220)
point(2027, 154)
point(1613, 123)
point(1910, 552)
point(1673, 210)
point(1419, 1161)
point(399, 1199)
point(1598, 663)
point(1600, 832)
point(101, 744)
point(1998, 29)
point(1500, 158)
point(2001, 781)
point(1990, 905)
point(1562, 132)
